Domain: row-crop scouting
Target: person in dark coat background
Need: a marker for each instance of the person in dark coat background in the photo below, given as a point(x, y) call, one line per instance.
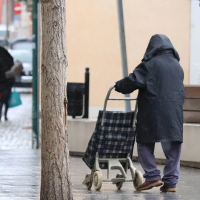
point(159, 79)
point(8, 70)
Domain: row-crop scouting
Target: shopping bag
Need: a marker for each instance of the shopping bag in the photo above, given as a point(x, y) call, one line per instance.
point(115, 139)
point(14, 100)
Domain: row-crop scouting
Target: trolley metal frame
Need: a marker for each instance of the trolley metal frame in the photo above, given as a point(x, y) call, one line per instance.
point(95, 176)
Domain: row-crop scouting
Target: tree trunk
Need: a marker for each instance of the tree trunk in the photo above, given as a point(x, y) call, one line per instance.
point(55, 178)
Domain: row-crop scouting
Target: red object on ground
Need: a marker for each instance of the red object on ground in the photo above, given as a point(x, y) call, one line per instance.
point(17, 8)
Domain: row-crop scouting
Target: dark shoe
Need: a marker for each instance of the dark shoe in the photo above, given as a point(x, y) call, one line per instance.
point(166, 189)
point(147, 185)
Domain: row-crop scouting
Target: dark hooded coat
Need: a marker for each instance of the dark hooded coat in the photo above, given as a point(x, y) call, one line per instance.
point(159, 78)
point(6, 63)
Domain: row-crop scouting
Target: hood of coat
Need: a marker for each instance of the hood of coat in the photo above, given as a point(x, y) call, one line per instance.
point(158, 44)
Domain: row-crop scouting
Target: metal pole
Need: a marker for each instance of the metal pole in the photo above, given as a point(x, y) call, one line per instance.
point(35, 130)
point(7, 19)
point(123, 47)
point(87, 84)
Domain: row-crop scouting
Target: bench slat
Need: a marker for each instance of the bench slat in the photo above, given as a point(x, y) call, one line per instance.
point(192, 91)
point(192, 104)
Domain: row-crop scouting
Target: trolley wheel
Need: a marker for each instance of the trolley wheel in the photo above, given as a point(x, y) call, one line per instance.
point(88, 184)
point(138, 180)
point(120, 184)
point(97, 180)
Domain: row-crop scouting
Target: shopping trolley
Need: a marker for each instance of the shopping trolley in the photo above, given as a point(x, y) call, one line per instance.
point(111, 147)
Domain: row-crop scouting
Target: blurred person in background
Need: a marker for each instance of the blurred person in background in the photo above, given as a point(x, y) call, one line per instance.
point(159, 79)
point(8, 71)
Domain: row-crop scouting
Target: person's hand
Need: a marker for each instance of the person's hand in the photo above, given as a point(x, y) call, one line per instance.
point(16, 68)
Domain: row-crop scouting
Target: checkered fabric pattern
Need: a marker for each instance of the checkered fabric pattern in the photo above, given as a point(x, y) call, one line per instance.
point(115, 139)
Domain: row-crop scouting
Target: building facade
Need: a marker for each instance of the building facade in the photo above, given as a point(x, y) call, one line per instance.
point(93, 39)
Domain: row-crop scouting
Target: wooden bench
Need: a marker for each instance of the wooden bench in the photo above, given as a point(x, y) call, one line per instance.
point(191, 107)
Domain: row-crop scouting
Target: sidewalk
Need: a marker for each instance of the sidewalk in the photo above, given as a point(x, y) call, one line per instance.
point(20, 168)
point(20, 180)
point(16, 133)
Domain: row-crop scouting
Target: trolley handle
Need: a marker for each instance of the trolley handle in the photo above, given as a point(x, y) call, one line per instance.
point(125, 98)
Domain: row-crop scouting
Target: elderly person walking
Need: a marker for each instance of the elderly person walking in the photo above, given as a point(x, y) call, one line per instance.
point(159, 79)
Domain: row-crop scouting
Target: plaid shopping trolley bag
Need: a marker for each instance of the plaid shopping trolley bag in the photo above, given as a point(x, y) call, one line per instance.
point(114, 139)
point(111, 147)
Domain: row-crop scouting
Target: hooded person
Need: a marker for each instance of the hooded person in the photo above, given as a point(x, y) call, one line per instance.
point(159, 79)
point(8, 70)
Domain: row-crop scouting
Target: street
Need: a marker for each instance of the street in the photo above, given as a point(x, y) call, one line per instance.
point(20, 168)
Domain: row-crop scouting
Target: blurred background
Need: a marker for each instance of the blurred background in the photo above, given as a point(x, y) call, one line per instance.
point(15, 19)
point(16, 35)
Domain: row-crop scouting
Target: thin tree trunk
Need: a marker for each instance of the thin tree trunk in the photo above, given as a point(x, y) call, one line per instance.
point(55, 178)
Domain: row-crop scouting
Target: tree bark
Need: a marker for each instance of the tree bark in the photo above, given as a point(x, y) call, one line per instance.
point(55, 178)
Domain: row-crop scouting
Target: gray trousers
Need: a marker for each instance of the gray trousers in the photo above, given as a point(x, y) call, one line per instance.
point(172, 151)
